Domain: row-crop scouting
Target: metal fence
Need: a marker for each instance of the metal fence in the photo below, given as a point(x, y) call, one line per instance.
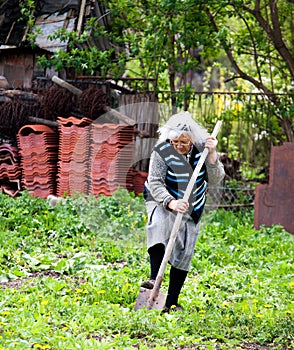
point(251, 122)
point(251, 125)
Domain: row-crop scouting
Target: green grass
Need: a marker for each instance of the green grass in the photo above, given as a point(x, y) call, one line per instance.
point(70, 277)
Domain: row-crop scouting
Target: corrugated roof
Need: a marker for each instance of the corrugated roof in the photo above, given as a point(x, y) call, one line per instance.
point(50, 24)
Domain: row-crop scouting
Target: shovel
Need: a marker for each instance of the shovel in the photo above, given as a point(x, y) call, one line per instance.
point(153, 298)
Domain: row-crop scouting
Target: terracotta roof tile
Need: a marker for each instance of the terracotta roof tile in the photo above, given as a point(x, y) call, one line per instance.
point(38, 147)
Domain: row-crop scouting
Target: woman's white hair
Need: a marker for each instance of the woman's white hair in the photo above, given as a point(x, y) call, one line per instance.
point(183, 123)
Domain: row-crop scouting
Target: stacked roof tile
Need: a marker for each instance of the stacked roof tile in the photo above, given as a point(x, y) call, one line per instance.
point(81, 156)
point(38, 147)
point(10, 171)
point(73, 159)
point(111, 152)
point(139, 178)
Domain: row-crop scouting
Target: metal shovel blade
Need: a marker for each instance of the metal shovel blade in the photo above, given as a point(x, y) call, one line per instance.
point(143, 297)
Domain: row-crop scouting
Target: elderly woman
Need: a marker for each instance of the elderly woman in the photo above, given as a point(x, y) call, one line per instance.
point(172, 162)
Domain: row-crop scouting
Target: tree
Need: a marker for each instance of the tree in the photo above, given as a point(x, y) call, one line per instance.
point(261, 49)
point(154, 39)
point(256, 36)
point(157, 37)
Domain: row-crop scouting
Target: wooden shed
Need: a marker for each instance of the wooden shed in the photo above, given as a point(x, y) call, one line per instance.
point(18, 61)
point(18, 58)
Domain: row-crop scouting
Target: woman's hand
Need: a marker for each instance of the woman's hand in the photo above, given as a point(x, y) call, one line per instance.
point(210, 144)
point(178, 205)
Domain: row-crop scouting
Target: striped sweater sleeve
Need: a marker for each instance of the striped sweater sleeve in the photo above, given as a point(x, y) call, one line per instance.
point(216, 173)
point(156, 180)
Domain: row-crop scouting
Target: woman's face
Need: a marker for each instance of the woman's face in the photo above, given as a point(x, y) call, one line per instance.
point(182, 143)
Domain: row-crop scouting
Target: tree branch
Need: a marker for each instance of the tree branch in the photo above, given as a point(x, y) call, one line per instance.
point(232, 78)
point(235, 65)
point(255, 55)
point(274, 34)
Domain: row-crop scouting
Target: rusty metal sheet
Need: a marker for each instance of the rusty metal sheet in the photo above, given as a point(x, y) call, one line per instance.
point(274, 201)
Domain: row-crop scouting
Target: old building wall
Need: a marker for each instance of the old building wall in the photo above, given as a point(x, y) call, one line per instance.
point(17, 68)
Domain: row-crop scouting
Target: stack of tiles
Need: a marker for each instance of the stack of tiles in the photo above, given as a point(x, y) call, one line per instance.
point(38, 147)
point(112, 152)
point(139, 178)
point(73, 159)
point(10, 171)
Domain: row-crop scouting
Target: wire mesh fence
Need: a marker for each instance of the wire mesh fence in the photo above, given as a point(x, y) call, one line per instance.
point(237, 197)
point(252, 122)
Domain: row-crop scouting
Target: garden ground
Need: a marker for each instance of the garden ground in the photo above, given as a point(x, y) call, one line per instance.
point(70, 276)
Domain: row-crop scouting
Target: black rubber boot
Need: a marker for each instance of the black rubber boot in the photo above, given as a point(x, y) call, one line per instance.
point(176, 281)
point(156, 254)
